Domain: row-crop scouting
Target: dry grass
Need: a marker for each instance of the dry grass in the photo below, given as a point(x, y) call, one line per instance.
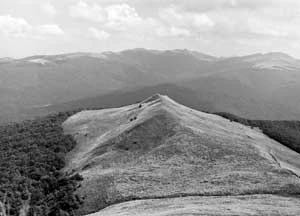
point(216, 206)
point(163, 149)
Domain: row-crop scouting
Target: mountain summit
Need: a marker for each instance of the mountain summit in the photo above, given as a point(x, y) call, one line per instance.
point(160, 149)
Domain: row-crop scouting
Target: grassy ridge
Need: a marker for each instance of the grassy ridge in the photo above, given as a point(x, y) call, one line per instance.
point(31, 156)
point(285, 132)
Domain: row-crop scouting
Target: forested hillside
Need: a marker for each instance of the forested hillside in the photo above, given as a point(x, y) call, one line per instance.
point(32, 153)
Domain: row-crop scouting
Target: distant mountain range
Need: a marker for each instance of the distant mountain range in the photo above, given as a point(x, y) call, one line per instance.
point(259, 86)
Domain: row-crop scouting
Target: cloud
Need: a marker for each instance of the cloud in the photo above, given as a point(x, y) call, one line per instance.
point(49, 9)
point(89, 12)
point(49, 29)
point(13, 26)
point(98, 34)
point(176, 22)
point(116, 16)
point(173, 32)
point(234, 19)
point(255, 24)
point(175, 16)
point(19, 27)
point(222, 27)
point(122, 15)
point(171, 21)
point(202, 6)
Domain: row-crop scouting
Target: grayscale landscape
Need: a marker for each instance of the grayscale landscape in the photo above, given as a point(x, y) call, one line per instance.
point(150, 108)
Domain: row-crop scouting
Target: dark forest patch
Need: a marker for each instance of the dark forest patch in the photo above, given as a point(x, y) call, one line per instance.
point(32, 154)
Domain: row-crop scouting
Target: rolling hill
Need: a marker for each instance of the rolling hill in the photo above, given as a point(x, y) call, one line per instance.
point(174, 160)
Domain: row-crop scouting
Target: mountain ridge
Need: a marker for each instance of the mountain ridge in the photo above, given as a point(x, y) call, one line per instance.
point(159, 148)
point(228, 84)
point(79, 54)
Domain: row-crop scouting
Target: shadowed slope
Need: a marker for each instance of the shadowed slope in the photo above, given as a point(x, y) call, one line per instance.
point(159, 148)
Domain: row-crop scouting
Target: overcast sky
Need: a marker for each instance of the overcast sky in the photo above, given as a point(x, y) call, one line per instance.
point(216, 27)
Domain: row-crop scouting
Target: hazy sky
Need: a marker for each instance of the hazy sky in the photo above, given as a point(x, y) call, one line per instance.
point(217, 27)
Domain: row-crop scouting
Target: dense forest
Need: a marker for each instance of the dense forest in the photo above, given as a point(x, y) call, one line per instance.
point(32, 153)
point(285, 132)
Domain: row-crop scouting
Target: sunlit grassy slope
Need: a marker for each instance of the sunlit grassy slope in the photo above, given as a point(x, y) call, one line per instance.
point(161, 149)
point(216, 206)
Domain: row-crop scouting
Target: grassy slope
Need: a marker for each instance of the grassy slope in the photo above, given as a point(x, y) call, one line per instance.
point(285, 132)
point(217, 206)
point(162, 149)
